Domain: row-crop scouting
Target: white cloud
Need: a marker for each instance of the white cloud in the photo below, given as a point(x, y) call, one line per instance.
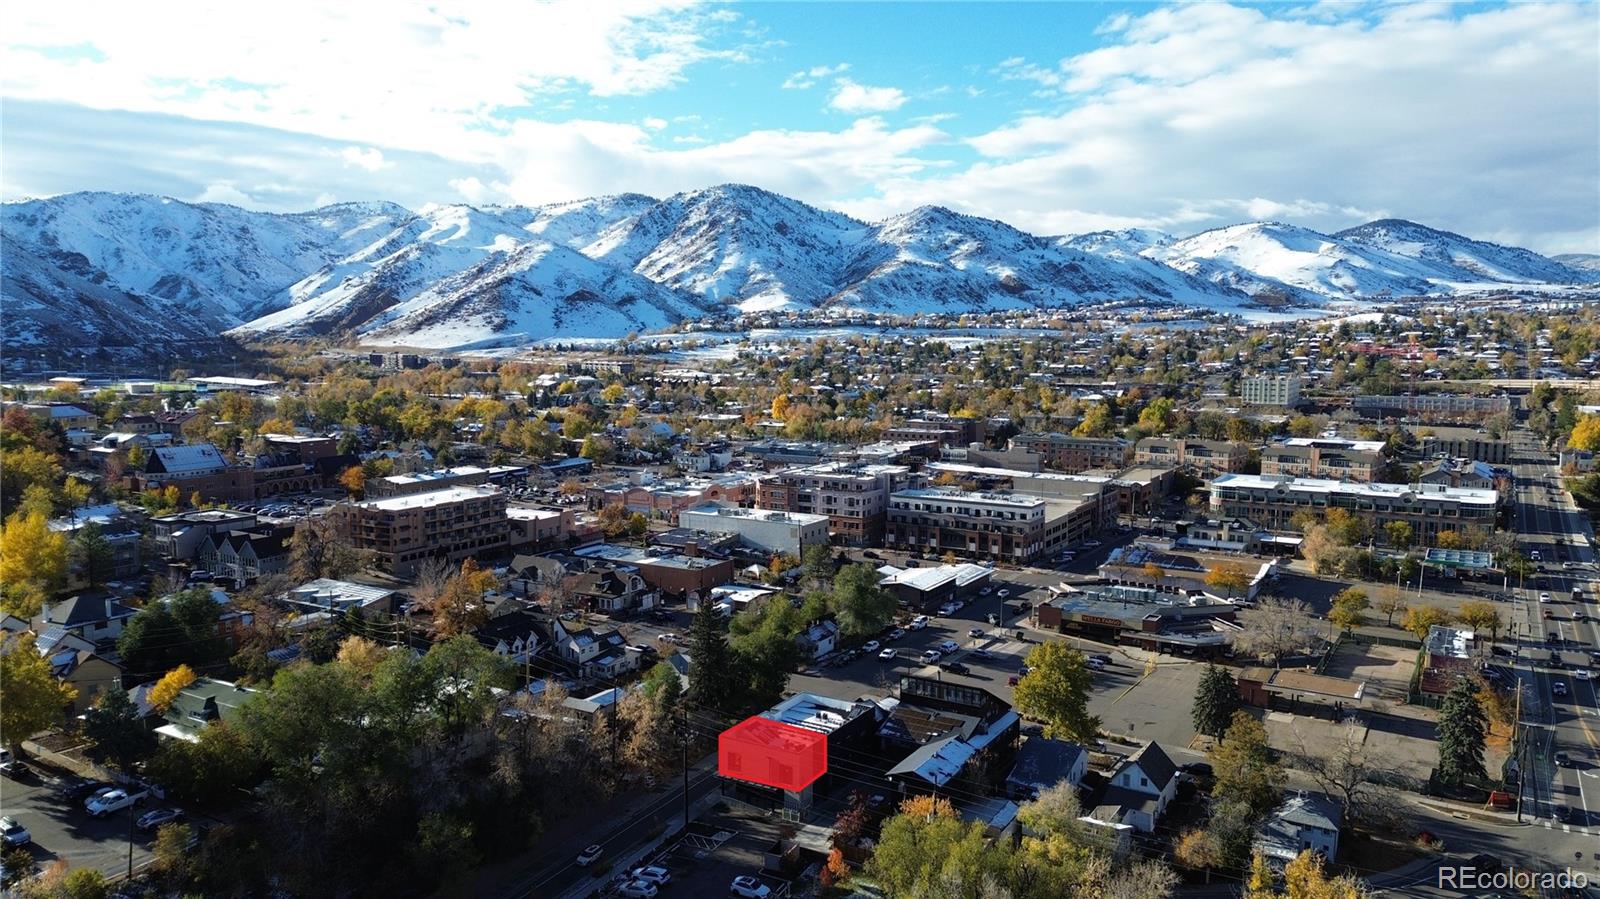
point(654, 124)
point(369, 158)
point(808, 78)
point(473, 190)
point(224, 192)
point(848, 96)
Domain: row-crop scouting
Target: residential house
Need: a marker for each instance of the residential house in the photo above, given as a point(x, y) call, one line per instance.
point(178, 537)
point(1305, 821)
point(1042, 764)
point(608, 589)
point(819, 639)
point(245, 555)
point(1141, 787)
point(202, 702)
point(95, 617)
point(597, 654)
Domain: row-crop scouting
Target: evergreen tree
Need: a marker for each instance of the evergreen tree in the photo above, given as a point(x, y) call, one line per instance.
point(1462, 729)
point(91, 554)
point(711, 681)
point(1215, 701)
point(116, 729)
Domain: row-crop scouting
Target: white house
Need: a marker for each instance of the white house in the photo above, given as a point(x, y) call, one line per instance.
point(819, 639)
point(1304, 821)
point(1141, 787)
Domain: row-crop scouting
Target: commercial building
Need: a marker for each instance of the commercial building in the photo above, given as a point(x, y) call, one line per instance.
point(768, 530)
point(1169, 570)
point(460, 476)
point(1207, 457)
point(925, 589)
point(178, 537)
point(1065, 452)
point(1270, 391)
point(1135, 616)
point(849, 728)
point(1004, 527)
point(404, 531)
point(1429, 509)
point(943, 431)
point(1324, 457)
point(675, 575)
point(1432, 406)
point(1464, 443)
point(854, 496)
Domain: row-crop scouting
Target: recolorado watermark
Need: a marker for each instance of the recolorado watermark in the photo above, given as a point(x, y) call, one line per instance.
point(1471, 877)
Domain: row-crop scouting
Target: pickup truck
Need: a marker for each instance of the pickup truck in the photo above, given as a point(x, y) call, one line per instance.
point(103, 804)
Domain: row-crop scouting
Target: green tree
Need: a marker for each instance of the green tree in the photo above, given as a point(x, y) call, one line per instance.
point(927, 850)
point(817, 561)
point(1349, 608)
point(213, 770)
point(1096, 422)
point(31, 699)
point(1056, 690)
point(859, 605)
point(711, 681)
point(116, 730)
point(1399, 534)
point(1421, 619)
point(177, 630)
point(91, 555)
point(1245, 767)
point(1216, 698)
point(1463, 728)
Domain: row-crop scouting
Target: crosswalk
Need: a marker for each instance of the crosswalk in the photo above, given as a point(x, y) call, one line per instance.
point(1551, 824)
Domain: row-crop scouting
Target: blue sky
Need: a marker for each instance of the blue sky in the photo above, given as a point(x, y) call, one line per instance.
point(1058, 118)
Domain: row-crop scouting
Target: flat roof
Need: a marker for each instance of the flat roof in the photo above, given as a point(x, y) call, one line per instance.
point(812, 712)
point(427, 499)
point(1365, 446)
point(970, 496)
point(1468, 495)
point(777, 515)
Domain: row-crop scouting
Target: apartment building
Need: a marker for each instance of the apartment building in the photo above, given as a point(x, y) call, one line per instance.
point(1428, 508)
point(1323, 457)
point(405, 531)
point(1208, 457)
point(950, 432)
point(1003, 527)
point(1464, 443)
point(1432, 406)
point(1065, 452)
point(1271, 391)
point(462, 475)
point(854, 496)
point(768, 530)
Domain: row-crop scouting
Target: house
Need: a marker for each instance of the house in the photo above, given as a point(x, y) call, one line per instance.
point(516, 636)
point(86, 671)
point(202, 702)
point(1304, 821)
point(120, 529)
point(608, 589)
point(244, 556)
point(1042, 763)
point(178, 537)
point(1141, 787)
point(602, 654)
point(819, 639)
point(96, 617)
point(337, 597)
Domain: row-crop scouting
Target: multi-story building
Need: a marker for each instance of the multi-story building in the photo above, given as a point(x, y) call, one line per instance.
point(944, 431)
point(1282, 390)
point(462, 475)
point(1324, 457)
point(1065, 452)
point(404, 531)
point(1428, 508)
point(178, 537)
point(768, 530)
point(1004, 527)
point(1432, 406)
point(245, 555)
point(1464, 443)
point(1208, 457)
point(854, 496)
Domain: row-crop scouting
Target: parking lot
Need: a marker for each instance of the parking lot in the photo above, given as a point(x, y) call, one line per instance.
point(717, 847)
point(61, 829)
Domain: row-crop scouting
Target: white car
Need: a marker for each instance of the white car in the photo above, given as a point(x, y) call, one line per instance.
point(1096, 664)
point(975, 632)
point(587, 857)
point(931, 656)
point(958, 605)
point(13, 833)
point(748, 887)
point(652, 874)
point(1558, 689)
point(946, 610)
point(871, 646)
point(949, 646)
point(1004, 593)
point(919, 622)
point(897, 633)
point(888, 654)
point(1544, 597)
point(110, 801)
point(986, 591)
point(153, 819)
point(1582, 674)
point(638, 889)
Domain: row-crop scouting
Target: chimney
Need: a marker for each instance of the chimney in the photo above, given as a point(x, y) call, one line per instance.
point(108, 608)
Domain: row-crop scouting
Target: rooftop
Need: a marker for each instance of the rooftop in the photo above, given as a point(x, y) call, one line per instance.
point(970, 496)
point(800, 518)
point(813, 712)
point(429, 499)
point(1405, 492)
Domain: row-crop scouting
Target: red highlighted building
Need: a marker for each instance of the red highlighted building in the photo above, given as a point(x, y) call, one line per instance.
point(762, 751)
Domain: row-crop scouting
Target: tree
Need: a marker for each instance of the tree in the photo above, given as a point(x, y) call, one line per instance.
point(1229, 577)
point(1399, 534)
point(1463, 729)
point(31, 699)
point(1347, 770)
point(116, 730)
point(1245, 768)
point(317, 549)
point(1056, 690)
point(1449, 540)
point(1216, 698)
point(1349, 607)
point(1274, 628)
point(1421, 619)
point(361, 655)
point(1158, 416)
point(1259, 885)
point(166, 690)
point(212, 770)
point(859, 605)
point(459, 608)
point(91, 555)
point(33, 564)
point(638, 525)
point(173, 859)
point(1585, 434)
point(1096, 422)
point(1391, 601)
point(817, 562)
point(180, 629)
point(354, 481)
point(1304, 878)
point(1481, 616)
point(711, 683)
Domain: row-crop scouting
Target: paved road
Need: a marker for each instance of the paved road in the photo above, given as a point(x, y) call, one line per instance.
point(61, 829)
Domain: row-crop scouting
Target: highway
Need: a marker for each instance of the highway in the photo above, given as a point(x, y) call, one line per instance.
point(1553, 635)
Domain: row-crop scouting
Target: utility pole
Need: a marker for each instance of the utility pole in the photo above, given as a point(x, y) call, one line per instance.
point(130, 840)
point(685, 741)
point(1517, 731)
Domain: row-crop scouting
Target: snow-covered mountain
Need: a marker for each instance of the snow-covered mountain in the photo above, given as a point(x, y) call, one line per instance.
point(1580, 262)
point(97, 269)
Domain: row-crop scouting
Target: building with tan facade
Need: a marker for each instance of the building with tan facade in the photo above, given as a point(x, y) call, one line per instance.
point(405, 531)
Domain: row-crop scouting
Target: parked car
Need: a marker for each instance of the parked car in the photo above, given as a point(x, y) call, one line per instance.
point(80, 788)
point(1103, 658)
point(1544, 597)
point(986, 591)
point(919, 622)
point(1096, 665)
point(949, 646)
point(946, 610)
point(897, 633)
point(871, 646)
point(110, 801)
point(13, 833)
point(157, 817)
point(652, 874)
point(638, 889)
point(931, 657)
point(975, 632)
point(749, 887)
point(992, 618)
point(1558, 689)
point(956, 668)
point(1583, 674)
point(587, 857)
point(1004, 593)
point(982, 654)
point(887, 654)
point(1565, 761)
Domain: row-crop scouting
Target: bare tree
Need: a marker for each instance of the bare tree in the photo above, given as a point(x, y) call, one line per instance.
point(1276, 627)
point(1348, 770)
